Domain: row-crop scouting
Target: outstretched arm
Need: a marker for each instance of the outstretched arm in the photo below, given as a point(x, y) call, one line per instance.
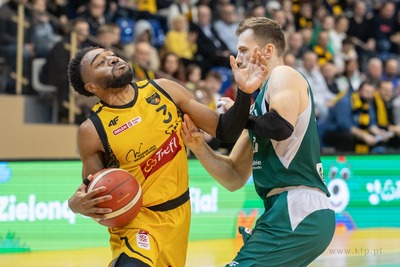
point(226, 127)
point(231, 172)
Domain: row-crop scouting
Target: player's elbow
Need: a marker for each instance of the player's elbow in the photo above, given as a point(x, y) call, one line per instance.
point(281, 134)
point(238, 184)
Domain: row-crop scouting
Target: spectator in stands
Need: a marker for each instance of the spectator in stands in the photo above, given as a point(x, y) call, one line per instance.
point(391, 74)
point(351, 125)
point(272, 7)
point(352, 78)
point(321, 49)
point(105, 35)
point(172, 65)
point(211, 50)
point(289, 60)
point(258, 11)
point(226, 27)
point(304, 19)
point(179, 7)
point(374, 71)
point(361, 31)
point(214, 83)
point(329, 72)
point(327, 25)
point(385, 27)
point(296, 45)
point(179, 40)
point(216, 8)
point(116, 36)
point(307, 34)
point(193, 76)
point(96, 16)
point(44, 35)
point(58, 8)
point(57, 63)
point(141, 63)
point(287, 28)
point(143, 32)
point(338, 34)
point(287, 8)
point(8, 39)
point(384, 113)
point(347, 52)
point(321, 93)
point(320, 14)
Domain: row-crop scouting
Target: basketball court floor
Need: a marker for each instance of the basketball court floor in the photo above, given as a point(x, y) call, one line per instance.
point(370, 247)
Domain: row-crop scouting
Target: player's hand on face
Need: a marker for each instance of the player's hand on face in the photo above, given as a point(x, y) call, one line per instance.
point(85, 203)
point(226, 102)
point(250, 78)
point(191, 135)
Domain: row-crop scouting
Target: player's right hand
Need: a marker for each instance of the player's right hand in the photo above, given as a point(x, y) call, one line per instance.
point(85, 203)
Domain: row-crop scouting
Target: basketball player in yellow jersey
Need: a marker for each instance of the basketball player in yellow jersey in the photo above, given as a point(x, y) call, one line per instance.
point(136, 127)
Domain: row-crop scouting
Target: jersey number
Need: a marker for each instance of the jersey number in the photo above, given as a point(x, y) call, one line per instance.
point(164, 109)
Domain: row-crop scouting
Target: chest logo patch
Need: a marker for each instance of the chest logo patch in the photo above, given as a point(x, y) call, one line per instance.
point(126, 126)
point(162, 156)
point(153, 98)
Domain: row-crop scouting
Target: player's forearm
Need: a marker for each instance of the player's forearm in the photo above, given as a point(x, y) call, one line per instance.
point(220, 168)
point(232, 123)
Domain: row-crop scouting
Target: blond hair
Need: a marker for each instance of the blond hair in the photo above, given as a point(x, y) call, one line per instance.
point(265, 31)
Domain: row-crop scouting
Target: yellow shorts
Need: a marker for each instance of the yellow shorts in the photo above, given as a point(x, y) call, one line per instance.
point(157, 238)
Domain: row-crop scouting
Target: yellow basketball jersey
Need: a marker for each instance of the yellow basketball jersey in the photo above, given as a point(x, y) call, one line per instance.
point(143, 138)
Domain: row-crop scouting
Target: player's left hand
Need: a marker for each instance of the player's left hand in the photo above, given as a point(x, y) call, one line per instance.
point(191, 135)
point(250, 78)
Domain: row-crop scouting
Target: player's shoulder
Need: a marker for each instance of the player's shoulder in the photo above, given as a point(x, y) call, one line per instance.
point(285, 76)
point(174, 89)
point(285, 71)
point(87, 129)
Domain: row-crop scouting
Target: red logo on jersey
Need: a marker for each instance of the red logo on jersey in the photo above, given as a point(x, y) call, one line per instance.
point(162, 156)
point(127, 125)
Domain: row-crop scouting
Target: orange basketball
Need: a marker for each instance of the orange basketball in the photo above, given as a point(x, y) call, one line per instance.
point(126, 196)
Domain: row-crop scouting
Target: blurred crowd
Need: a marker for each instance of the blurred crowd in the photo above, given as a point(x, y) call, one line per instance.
point(348, 50)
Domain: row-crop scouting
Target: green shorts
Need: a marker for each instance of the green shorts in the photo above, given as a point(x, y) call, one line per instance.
point(296, 227)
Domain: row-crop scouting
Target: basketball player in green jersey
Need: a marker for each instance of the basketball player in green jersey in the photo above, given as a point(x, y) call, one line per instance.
point(281, 147)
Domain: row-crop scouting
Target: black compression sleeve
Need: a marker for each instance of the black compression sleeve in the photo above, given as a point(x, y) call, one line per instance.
point(232, 123)
point(270, 125)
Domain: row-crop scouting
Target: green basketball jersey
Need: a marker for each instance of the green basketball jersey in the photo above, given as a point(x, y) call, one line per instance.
point(292, 162)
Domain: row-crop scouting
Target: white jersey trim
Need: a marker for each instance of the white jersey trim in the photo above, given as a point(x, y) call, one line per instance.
point(302, 202)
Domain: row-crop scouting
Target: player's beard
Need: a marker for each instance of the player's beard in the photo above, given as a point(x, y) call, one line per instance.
point(112, 81)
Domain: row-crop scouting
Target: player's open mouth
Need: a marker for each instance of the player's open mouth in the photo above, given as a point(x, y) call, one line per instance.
point(336, 205)
point(120, 65)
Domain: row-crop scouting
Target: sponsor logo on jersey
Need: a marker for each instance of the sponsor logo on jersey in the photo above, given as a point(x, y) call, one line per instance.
point(126, 126)
point(234, 263)
point(320, 171)
point(249, 231)
point(142, 239)
point(162, 156)
point(257, 165)
point(138, 154)
point(113, 122)
point(153, 98)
